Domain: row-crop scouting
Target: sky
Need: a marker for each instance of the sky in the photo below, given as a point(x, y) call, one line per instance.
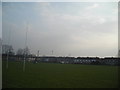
point(0, 20)
point(66, 28)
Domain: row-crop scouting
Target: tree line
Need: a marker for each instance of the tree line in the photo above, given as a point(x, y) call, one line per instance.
point(8, 49)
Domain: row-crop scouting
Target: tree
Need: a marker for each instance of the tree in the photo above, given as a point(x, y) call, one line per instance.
point(26, 51)
point(7, 49)
point(20, 51)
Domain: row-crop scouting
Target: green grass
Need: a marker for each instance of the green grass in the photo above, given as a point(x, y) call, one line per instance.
point(50, 75)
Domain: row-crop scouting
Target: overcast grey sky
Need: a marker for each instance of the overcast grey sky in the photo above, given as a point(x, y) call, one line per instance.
point(76, 29)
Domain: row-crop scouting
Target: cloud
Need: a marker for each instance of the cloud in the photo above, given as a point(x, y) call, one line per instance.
point(83, 33)
point(95, 5)
point(77, 26)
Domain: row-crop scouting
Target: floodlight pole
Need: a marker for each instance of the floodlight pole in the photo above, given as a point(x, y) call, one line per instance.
point(25, 51)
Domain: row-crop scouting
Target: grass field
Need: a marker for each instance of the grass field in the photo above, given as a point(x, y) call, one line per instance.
point(50, 75)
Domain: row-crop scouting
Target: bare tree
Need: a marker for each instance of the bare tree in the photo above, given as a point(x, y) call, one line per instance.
point(20, 51)
point(7, 49)
point(26, 51)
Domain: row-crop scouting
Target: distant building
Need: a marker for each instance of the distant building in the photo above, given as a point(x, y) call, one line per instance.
point(66, 60)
